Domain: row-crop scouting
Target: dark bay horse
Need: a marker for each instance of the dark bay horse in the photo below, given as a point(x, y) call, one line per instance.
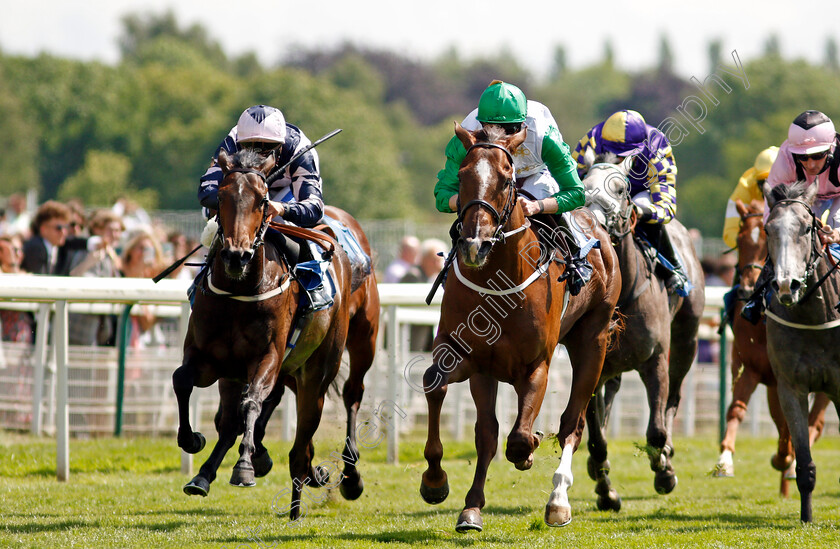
point(238, 335)
point(750, 365)
point(503, 313)
point(659, 339)
point(803, 326)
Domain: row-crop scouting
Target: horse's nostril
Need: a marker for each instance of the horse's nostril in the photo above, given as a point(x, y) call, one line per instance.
point(795, 285)
point(484, 249)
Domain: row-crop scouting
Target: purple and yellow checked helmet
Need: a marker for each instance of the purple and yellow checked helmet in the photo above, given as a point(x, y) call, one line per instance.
point(624, 133)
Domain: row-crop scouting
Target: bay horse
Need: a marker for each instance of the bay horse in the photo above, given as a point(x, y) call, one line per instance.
point(239, 334)
point(659, 339)
point(802, 324)
point(504, 311)
point(750, 364)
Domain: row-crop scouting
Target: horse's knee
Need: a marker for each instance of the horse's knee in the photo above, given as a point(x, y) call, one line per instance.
point(434, 383)
point(806, 477)
point(737, 410)
point(520, 446)
point(182, 379)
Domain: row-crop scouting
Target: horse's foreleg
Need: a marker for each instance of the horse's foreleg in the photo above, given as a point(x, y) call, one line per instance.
point(816, 418)
point(484, 390)
point(598, 466)
point(611, 388)
point(587, 362)
point(260, 387)
point(261, 460)
point(228, 426)
point(183, 381)
point(434, 485)
point(654, 374)
point(310, 405)
point(795, 406)
point(521, 441)
point(361, 346)
point(744, 381)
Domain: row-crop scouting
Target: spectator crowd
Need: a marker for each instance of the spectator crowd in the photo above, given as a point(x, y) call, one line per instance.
point(68, 239)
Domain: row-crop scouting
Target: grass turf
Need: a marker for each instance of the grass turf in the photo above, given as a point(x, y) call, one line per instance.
point(128, 493)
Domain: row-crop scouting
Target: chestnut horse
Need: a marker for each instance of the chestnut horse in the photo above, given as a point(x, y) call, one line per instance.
point(239, 334)
point(503, 313)
point(750, 365)
point(659, 340)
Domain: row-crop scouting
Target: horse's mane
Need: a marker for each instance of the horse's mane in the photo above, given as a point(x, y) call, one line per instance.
point(247, 158)
point(788, 192)
point(607, 157)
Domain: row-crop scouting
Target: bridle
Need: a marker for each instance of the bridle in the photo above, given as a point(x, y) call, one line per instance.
point(815, 253)
point(259, 237)
point(502, 218)
point(618, 222)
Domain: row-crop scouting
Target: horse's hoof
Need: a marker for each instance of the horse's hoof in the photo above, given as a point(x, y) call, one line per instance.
point(782, 463)
point(596, 470)
point(194, 444)
point(262, 464)
point(435, 495)
point(198, 486)
point(469, 521)
point(724, 470)
point(525, 465)
point(664, 483)
point(242, 475)
point(319, 476)
point(609, 502)
point(790, 472)
point(351, 486)
point(557, 515)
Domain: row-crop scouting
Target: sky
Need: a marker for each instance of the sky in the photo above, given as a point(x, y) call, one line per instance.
point(423, 30)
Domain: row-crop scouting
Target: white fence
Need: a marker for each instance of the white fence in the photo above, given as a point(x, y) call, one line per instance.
point(77, 386)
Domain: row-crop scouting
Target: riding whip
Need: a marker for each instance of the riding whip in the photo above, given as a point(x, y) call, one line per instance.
point(300, 153)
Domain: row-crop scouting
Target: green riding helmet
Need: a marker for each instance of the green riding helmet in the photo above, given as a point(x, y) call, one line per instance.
point(502, 103)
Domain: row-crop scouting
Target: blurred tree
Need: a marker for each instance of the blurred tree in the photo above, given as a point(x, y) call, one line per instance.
point(715, 57)
point(773, 47)
point(19, 162)
point(140, 32)
point(609, 54)
point(559, 63)
point(831, 61)
point(665, 65)
point(102, 179)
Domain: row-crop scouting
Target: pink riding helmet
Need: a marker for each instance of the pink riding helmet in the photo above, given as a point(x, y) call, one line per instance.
point(811, 132)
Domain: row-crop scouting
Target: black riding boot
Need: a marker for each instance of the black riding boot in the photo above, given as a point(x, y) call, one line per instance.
point(668, 263)
point(754, 306)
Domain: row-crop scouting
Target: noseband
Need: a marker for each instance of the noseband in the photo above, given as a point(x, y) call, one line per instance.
point(259, 237)
point(501, 218)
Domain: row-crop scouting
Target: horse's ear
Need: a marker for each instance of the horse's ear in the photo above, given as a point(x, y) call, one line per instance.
point(742, 210)
point(517, 139)
point(811, 192)
point(768, 196)
point(268, 164)
point(224, 161)
point(757, 206)
point(466, 137)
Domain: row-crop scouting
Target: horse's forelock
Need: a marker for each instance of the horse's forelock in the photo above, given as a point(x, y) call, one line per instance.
point(492, 133)
point(247, 158)
point(789, 192)
point(607, 157)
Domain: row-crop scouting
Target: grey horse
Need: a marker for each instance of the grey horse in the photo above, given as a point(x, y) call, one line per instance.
point(802, 324)
point(659, 339)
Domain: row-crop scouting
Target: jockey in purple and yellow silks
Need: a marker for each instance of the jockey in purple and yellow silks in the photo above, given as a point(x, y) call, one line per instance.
point(652, 177)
